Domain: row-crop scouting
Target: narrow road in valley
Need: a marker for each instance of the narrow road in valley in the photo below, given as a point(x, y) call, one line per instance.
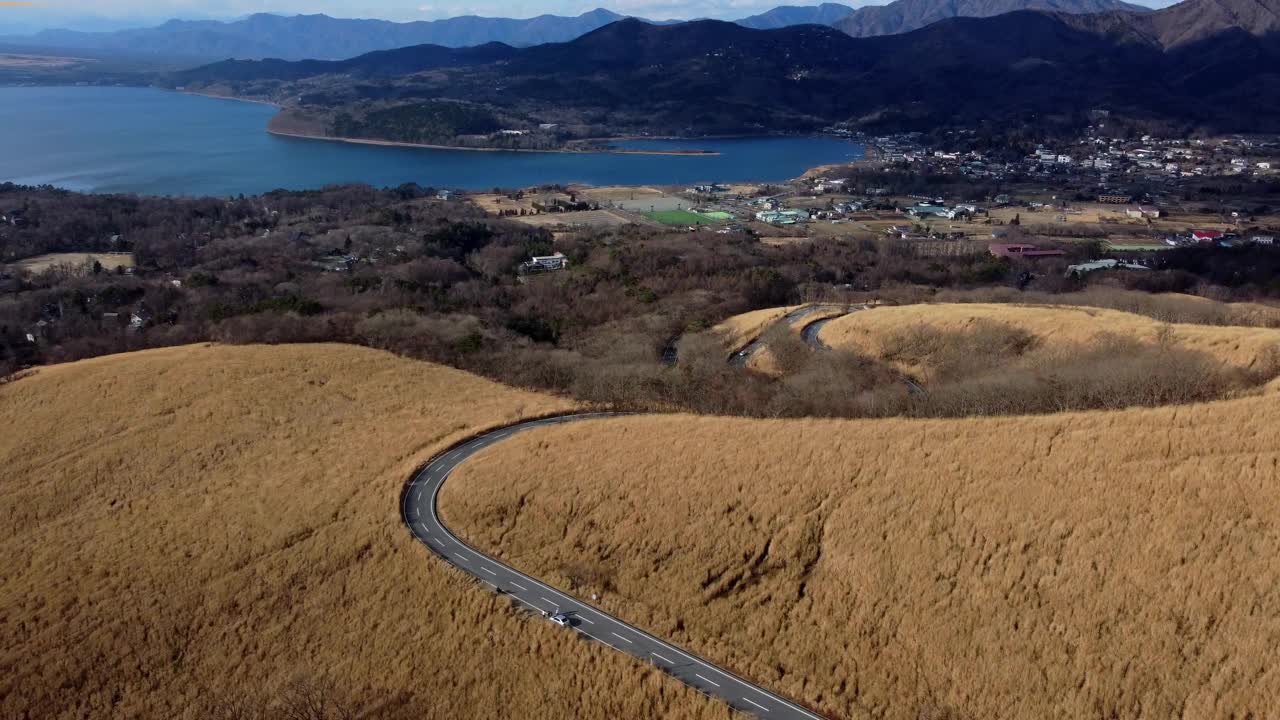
point(419, 508)
point(793, 318)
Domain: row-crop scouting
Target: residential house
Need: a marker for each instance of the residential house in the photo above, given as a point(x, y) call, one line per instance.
point(1263, 240)
point(921, 211)
point(546, 263)
point(1143, 212)
point(1207, 236)
point(1115, 199)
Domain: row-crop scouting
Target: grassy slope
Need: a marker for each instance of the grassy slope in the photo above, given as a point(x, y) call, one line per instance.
point(1117, 564)
point(741, 329)
point(1057, 328)
point(189, 525)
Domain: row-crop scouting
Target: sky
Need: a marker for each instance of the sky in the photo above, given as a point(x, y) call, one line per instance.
point(114, 14)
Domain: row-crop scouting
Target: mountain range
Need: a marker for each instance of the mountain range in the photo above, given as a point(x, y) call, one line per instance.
point(907, 15)
point(1210, 63)
point(322, 37)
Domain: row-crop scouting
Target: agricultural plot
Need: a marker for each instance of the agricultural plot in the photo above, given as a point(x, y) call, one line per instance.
point(109, 261)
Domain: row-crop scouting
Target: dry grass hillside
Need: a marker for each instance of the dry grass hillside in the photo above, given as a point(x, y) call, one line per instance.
point(187, 532)
point(1106, 565)
point(741, 329)
point(883, 332)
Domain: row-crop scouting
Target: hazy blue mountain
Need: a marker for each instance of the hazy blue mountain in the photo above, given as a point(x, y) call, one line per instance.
point(320, 37)
point(788, 15)
point(906, 15)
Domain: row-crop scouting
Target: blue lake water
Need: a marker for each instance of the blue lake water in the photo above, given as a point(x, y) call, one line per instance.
point(162, 143)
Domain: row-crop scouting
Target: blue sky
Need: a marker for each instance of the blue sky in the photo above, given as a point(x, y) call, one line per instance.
point(107, 14)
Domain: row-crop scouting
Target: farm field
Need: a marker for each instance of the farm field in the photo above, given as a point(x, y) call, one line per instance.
point(613, 194)
point(189, 530)
point(582, 218)
point(109, 261)
point(1111, 564)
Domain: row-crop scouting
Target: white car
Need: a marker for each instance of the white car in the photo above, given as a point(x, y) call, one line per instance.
point(562, 620)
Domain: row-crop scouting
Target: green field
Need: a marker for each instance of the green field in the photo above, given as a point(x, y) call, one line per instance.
point(688, 217)
point(679, 217)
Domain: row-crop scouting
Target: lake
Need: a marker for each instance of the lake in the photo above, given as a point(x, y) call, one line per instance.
point(156, 142)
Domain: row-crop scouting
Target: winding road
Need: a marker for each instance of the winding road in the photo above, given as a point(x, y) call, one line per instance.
point(418, 506)
point(809, 333)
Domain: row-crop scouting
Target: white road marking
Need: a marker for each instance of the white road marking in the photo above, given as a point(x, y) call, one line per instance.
point(663, 659)
point(753, 702)
point(587, 620)
point(519, 587)
point(622, 638)
point(550, 602)
point(713, 682)
point(461, 557)
point(489, 571)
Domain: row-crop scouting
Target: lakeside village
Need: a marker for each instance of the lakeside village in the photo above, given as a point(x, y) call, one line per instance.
point(1112, 203)
point(1124, 199)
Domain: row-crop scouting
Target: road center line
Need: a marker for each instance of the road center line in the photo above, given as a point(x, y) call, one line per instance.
point(620, 637)
point(713, 682)
point(519, 587)
point(489, 571)
point(663, 659)
point(753, 702)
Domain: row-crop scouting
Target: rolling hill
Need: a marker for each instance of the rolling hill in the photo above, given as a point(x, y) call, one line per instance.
point(189, 530)
point(1115, 564)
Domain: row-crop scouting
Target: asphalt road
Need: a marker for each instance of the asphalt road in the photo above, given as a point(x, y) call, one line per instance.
point(794, 317)
point(418, 507)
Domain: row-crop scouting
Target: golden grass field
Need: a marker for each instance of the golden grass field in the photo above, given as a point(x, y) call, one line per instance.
point(1096, 565)
point(1056, 329)
point(741, 329)
point(190, 527)
point(110, 261)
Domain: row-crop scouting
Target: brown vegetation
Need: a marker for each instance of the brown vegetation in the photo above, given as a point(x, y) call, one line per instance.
point(212, 532)
point(738, 330)
point(1105, 565)
point(913, 337)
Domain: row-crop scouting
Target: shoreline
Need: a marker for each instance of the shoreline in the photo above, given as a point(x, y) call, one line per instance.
point(426, 146)
point(268, 103)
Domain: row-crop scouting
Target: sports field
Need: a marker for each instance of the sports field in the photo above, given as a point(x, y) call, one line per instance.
point(679, 217)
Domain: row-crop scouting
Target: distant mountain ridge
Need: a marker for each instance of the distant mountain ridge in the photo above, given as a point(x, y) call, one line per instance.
point(906, 15)
point(320, 37)
point(788, 15)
